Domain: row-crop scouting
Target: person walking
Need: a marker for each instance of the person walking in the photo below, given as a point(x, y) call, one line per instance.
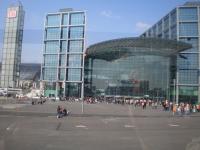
point(174, 109)
point(59, 112)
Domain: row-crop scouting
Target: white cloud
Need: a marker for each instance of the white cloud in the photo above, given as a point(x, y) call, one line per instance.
point(109, 14)
point(142, 26)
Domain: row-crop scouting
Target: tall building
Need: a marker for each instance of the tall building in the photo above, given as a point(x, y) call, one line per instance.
point(183, 24)
point(63, 53)
point(12, 46)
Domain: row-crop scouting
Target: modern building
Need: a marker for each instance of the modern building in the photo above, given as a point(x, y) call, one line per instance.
point(183, 24)
point(12, 46)
point(63, 53)
point(134, 67)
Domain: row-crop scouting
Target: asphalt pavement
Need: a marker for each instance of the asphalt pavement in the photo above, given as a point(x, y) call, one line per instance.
point(101, 127)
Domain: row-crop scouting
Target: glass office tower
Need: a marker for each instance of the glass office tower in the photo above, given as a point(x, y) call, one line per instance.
point(183, 24)
point(63, 53)
point(12, 46)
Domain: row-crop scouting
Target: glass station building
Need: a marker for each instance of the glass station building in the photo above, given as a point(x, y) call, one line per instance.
point(135, 67)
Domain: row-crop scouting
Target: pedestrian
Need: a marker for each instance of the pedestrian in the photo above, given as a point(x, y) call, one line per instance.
point(59, 112)
point(174, 109)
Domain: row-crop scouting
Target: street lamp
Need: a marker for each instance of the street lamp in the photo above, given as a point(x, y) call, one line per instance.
point(174, 90)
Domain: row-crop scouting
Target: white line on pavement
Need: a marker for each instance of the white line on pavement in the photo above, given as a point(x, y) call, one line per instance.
point(6, 116)
point(10, 127)
point(129, 126)
point(51, 116)
point(174, 125)
point(82, 126)
point(20, 116)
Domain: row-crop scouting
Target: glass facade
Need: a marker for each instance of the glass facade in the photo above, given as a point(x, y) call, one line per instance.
point(51, 60)
point(12, 46)
point(76, 32)
point(184, 26)
point(52, 33)
point(75, 46)
point(75, 60)
point(74, 74)
point(52, 47)
point(193, 41)
point(63, 53)
point(53, 20)
point(130, 76)
point(188, 14)
point(188, 29)
point(77, 19)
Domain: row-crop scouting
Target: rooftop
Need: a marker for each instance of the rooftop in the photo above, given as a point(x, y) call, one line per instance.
point(192, 3)
point(124, 47)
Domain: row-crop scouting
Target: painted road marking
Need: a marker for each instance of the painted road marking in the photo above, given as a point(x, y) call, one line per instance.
point(81, 126)
point(129, 126)
point(6, 116)
point(51, 116)
point(174, 125)
point(20, 116)
point(10, 127)
point(7, 128)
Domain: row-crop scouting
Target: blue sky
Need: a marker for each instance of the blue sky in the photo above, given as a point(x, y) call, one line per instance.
point(106, 19)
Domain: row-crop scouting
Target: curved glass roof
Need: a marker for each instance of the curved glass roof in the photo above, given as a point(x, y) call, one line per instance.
point(124, 47)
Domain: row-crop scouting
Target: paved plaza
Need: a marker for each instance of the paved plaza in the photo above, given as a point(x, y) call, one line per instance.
point(101, 127)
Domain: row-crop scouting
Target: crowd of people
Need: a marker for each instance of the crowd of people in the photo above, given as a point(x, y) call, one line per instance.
point(181, 108)
point(166, 105)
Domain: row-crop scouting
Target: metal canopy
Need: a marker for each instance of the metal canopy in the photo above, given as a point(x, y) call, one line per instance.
point(124, 47)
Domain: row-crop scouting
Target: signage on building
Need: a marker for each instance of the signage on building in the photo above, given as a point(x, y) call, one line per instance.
point(12, 14)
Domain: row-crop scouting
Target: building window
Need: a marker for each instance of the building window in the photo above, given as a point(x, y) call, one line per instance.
point(53, 20)
point(51, 47)
point(62, 60)
point(188, 76)
point(61, 74)
point(160, 27)
point(51, 60)
point(63, 46)
point(52, 33)
point(76, 46)
point(193, 41)
point(73, 89)
point(65, 19)
point(154, 31)
point(76, 32)
point(166, 34)
point(74, 75)
point(188, 61)
point(77, 19)
point(166, 23)
point(188, 29)
point(64, 33)
point(50, 74)
point(188, 14)
point(173, 18)
point(174, 32)
point(74, 60)
point(189, 92)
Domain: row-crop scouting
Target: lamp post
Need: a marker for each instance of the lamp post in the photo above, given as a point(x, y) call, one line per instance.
point(156, 94)
point(177, 90)
point(174, 90)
